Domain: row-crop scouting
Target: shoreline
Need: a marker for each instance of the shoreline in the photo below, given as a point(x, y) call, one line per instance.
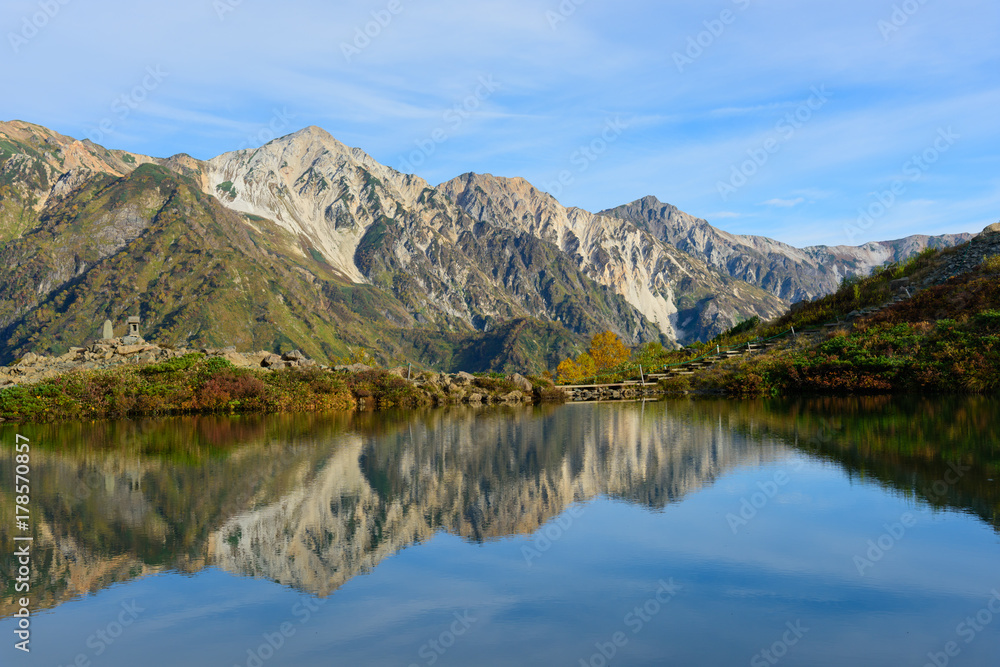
point(122, 378)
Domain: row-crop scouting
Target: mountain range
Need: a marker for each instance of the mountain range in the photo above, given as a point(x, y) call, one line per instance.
point(307, 243)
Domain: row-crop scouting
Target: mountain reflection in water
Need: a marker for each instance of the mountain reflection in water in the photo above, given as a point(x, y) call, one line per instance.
point(310, 502)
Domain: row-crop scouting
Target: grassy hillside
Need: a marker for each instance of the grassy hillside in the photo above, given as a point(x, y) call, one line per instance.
point(945, 339)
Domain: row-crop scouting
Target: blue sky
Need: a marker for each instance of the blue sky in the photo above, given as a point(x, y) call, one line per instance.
point(795, 120)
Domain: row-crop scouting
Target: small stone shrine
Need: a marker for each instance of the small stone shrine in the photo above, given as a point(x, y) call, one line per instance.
point(133, 337)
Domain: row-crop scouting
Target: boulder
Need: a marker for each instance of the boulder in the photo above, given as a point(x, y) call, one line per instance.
point(521, 382)
point(294, 355)
point(30, 359)
point(464, 379)
point(272, 361)
point(992, 229)
point(237, 359)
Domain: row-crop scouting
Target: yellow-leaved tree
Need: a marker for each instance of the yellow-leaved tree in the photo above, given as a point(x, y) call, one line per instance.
point(608, 351)
point(581, 368)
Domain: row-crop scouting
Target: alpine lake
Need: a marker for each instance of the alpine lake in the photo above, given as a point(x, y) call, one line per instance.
point(829, 531)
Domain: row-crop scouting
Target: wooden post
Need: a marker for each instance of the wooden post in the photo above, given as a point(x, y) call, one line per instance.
point(408, 366)
point(642, 379)
point(793, 332)
point(718, 351)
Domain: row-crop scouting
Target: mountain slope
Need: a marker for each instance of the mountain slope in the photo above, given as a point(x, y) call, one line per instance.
point(792, 274)
point(151, 243)
point(375, 225)
point(683, 296)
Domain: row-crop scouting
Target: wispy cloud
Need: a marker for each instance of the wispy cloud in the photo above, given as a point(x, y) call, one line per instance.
point(784, 203)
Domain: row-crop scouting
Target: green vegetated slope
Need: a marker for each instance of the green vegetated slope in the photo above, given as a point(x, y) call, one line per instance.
point(946, 338)
point(153, 244)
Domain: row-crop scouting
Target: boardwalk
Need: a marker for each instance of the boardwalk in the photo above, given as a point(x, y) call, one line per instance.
point(648, 385)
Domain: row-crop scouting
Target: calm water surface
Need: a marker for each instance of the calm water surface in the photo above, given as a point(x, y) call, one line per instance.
point(827, 532)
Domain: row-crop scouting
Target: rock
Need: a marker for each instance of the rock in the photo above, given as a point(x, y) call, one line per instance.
point(475, 398)
point(464, 379)
point(992, 229)
point(398, 371)
point(133, 340)
point(521, 382)
point(128, 350)
point(109, 331)
point(272, 361)
point(237, 359)
point(30, 359)
point(354, 368)
point(294, 355)
point(512, 397)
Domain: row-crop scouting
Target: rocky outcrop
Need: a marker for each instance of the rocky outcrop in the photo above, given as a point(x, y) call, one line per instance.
point(965, 258)
point(112, 353)
point(680, 294)
point(790, 273)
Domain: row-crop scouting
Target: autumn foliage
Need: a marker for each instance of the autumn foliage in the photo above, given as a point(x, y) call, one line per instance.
point(606, 352)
